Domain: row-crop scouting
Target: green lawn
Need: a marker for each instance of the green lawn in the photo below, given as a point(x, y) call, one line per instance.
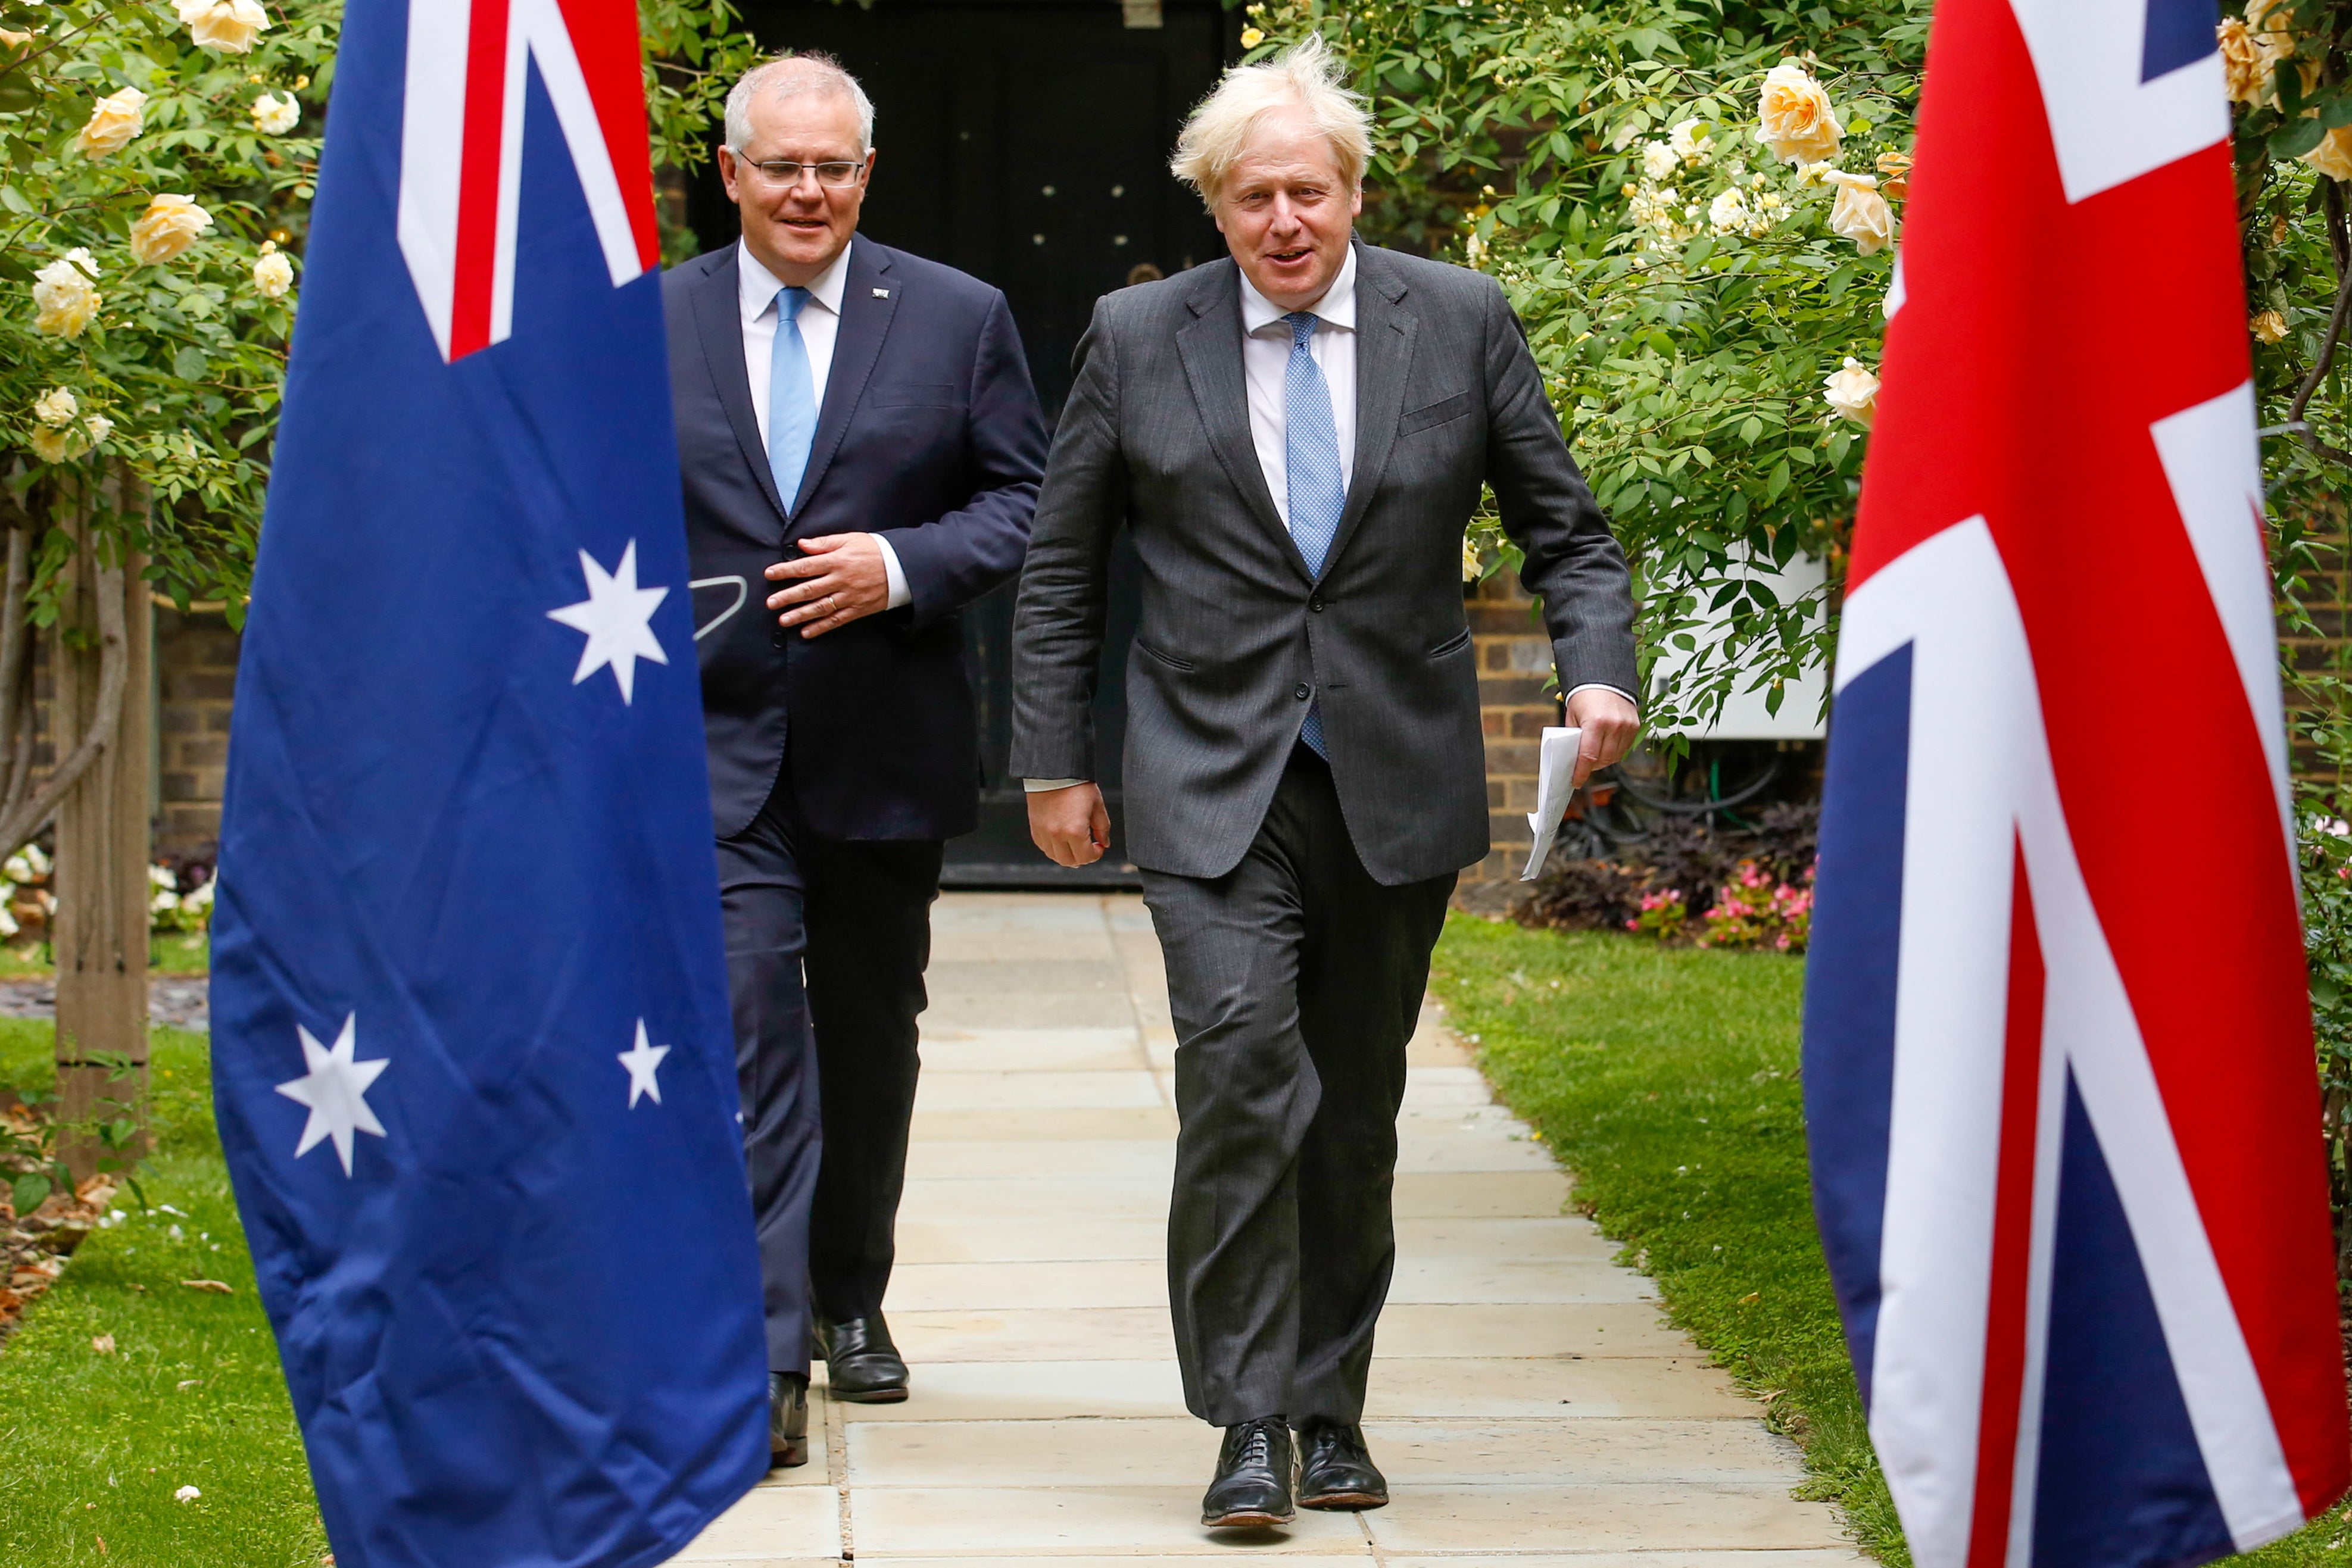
point(1665, 1080)
point(94, 1446)
point(168, 953)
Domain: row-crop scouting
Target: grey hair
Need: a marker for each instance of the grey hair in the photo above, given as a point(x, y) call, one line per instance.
point(792, 76)
point(1308, 76)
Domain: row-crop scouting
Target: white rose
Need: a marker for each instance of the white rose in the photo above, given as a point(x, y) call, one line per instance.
point(1860, 214)
point(1690, 143)
point(275, 115)
point(117, 118)
point(1658, 160)
point(224, 26)
point(66, 302)
point(1852, 392)
point(59, 446)
point(168, 227)
point(98, 426)
point(1727, 213)
point(56, 407)
point(1794, 117)
point(274, 275)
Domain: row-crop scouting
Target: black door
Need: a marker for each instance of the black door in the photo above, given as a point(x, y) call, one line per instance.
point(1027, 144)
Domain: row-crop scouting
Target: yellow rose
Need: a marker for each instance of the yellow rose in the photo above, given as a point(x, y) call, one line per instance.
point(1852, 392)
point(1894, 175)
point(2243, 66)
point(1860, 214)
point(2333, 156)
point(272, 273)
point(1471, 565)
point(2270, 326)
point(1251, 38)
point(117, 118)
point(13, 40)
point(224, 26)
point(62, 295)
point(1794, 117)
point(59, 446)
point(169, 226)
point(56, 407)
point(276, 115)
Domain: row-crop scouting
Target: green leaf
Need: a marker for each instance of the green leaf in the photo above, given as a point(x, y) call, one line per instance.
point(189, 364)
point(28, 1193)
point(2296, 139)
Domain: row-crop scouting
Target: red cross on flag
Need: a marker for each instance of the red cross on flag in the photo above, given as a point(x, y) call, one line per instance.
point(469, 63)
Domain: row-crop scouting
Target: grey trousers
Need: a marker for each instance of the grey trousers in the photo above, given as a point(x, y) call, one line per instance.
point(1294, 980)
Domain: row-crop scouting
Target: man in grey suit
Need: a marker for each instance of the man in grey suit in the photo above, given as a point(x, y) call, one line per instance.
point(1297, 437)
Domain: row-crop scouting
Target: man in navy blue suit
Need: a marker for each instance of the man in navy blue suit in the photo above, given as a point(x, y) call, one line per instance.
point(862, 449)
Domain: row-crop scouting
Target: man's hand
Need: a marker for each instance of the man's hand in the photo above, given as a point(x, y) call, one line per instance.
point(838, 580)
point(1070, 825)
point(1609, 725)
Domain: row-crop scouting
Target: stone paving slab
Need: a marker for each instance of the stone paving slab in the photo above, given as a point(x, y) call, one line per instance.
point(1530, 1405)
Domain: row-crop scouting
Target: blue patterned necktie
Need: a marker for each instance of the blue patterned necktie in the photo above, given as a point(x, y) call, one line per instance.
point(1310, 457)
point(791, 398)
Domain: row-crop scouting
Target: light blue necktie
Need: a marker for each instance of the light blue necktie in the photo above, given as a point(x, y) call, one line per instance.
point(791, 398)
point(1310, 457)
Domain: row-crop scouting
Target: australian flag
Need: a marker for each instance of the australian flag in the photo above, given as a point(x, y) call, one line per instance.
point(474, 1070)
point(2058, 1053)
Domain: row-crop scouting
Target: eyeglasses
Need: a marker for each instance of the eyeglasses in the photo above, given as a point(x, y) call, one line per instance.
point(784, 172)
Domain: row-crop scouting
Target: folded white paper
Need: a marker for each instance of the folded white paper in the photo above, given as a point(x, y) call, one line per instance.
point(1555, 783)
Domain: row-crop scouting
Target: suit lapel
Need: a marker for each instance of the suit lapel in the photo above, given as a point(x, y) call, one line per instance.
point(719, 320)
point(1211, 349)
point(1384, 338)
point(865, 316)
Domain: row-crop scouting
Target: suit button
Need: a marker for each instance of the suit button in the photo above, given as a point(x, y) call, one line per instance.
point(1316, 604)
point(1301, 691)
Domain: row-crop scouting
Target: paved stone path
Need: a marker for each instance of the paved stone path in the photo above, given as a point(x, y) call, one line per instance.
point(1527, 1403)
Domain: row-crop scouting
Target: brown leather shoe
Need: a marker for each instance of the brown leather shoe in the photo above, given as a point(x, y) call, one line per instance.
point(1336, 1470)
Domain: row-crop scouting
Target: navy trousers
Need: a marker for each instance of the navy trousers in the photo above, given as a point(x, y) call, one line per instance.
point(826, 943)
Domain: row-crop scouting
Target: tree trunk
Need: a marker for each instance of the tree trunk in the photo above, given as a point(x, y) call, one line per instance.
point(104, 832)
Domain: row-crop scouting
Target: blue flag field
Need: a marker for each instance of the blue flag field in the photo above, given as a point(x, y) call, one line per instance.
point(474, 1065)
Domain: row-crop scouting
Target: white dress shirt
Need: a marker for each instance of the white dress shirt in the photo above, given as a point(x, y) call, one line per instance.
point(820, 324)
point(1265, 360)
point(1266, 357)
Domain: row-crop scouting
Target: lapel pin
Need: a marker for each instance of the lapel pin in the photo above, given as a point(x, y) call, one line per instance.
point(881, 294)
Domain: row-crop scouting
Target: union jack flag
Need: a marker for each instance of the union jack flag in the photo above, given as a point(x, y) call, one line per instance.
point(461, 136)
point(2058, 1051)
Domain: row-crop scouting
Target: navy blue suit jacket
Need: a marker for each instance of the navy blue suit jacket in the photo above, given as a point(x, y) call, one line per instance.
point(930, 435)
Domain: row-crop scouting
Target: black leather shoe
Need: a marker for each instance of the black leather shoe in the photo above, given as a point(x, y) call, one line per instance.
point(1335, 1470)
point(1255, 1470)
point(861, 1365)
point(787, 1419)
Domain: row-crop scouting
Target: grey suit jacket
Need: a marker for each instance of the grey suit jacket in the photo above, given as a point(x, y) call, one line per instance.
point(1236, 635)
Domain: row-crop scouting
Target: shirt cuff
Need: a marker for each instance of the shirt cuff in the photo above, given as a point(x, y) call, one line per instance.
point(1039, 786)
point(899, 593)
point(1569, 694)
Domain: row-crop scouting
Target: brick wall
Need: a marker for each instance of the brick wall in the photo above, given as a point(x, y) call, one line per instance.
point(196, 660)
point(195, 667)
point(1513, 666)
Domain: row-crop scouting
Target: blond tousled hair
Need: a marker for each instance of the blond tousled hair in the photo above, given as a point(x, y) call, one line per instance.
point(1306, 75)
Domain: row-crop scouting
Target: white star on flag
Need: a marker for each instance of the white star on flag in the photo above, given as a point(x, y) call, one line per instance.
point(643, 1060)
point(616, 615)
point(335, 1089)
